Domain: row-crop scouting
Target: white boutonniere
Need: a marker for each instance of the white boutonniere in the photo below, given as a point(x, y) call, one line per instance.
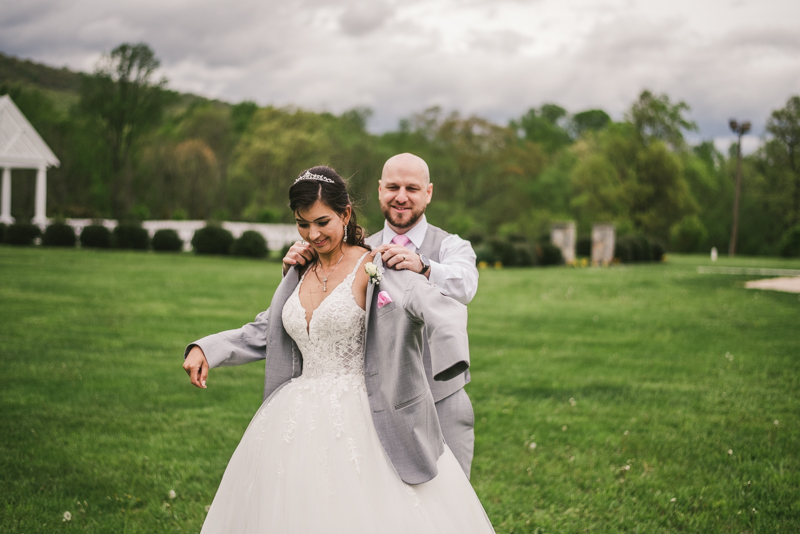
point(373, 272)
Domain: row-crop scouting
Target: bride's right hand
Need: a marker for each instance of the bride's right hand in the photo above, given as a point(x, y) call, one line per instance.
point(299, 254)
point(196, 366)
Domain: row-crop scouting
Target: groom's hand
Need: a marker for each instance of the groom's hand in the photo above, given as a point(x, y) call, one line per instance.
point(299, 254)
point(196, 366)
point(399, 257)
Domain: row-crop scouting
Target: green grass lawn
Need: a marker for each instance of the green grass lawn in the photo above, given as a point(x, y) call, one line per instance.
point(651, 393)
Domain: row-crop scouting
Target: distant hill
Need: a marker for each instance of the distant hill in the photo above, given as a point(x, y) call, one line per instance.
point(63, 85)
point(25, 72)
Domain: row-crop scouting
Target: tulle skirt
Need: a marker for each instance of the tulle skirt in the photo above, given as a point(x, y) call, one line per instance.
point(311, 462)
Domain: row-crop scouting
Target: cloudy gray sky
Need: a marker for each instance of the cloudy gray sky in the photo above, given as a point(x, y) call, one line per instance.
point(494, 58)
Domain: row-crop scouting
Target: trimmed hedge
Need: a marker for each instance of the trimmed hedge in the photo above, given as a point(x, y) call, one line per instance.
point(517, 254)
point(251, 244)
point(59, 235)
point(637, 248)
point(658, 251)
point(549, 254)
point(584, 246)
point(130, 236)
point(789, 245)
point(503, 251)
point(2, 232)
point(22, 234)
point(166, 240)
point(212, 240)
point(95, 236)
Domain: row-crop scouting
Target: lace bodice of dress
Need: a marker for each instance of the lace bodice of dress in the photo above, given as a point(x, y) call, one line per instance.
point(332, 343)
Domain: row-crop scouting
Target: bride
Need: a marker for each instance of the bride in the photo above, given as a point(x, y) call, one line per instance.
point(347, 439)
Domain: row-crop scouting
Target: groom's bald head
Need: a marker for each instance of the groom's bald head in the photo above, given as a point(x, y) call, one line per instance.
point(407, 163)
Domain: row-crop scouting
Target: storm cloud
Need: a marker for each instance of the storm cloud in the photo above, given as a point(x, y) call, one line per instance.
point(492, 58)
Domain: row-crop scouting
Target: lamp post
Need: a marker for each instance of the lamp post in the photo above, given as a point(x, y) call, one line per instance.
point(740, 130)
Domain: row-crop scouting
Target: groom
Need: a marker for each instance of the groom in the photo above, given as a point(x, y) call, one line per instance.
point(408, 242)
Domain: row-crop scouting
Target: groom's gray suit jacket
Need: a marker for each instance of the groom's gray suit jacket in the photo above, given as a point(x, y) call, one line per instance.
point(430, 247)
point(399, 396)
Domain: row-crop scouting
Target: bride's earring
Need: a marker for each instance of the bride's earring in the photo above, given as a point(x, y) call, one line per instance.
point(345, 234)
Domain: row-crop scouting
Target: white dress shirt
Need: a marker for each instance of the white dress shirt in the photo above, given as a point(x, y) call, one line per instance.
point(455, 274)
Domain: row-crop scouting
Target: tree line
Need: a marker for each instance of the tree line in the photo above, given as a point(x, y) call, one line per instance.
point(133, 149)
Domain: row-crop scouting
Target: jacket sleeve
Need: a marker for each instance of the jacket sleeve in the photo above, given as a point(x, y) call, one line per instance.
point(446, 328)
point(235, 347)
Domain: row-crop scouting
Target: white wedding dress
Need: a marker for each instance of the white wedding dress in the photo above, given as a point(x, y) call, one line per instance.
point(311, 460)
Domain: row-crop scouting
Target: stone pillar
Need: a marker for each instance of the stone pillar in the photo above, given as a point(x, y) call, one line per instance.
point(40, 216)
point(5, 210)
point(562, 235)
point(602, 243)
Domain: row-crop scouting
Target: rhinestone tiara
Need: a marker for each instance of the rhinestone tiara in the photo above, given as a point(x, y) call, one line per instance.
point(318, 177)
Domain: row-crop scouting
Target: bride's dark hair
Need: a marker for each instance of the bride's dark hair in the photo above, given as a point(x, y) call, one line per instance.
point(305, 193)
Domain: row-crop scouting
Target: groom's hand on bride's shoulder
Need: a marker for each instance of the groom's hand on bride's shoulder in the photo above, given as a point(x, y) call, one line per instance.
point(299, 254)
point(196, 366)
point(398, 257)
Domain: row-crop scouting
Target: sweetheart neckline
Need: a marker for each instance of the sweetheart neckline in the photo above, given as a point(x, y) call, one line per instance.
point(305, 312)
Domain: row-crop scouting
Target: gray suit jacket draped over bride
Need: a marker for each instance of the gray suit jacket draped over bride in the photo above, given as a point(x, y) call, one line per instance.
point(401, 402)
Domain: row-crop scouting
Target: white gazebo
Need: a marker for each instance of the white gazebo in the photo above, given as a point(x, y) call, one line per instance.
point(21, 147)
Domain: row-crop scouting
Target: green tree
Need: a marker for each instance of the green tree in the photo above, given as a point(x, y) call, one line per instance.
point(639, 187)
point(784, 147)
point(241, 114)
point(655, 117)
point(586, 121)
point(125, 102)
point(546, 126)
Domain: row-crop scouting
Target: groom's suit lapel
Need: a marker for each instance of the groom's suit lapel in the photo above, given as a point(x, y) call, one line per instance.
point(370, 298)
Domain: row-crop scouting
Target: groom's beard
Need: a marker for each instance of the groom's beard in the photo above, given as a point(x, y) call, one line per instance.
point(398, 222)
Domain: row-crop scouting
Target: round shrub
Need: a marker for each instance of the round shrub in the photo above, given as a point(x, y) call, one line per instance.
point(22, 234)
point(130, 236)
point(622, 250)
point(789, 245)
point(688, 235)
point(504, 252)
point(658, 251)
point(483, 253)
point(212, 240)
point(475, 236)
point(525, 256)
point(251, 244)
point(584, 246)
point(548, 254)
point(95, 236)
point(641, 249)
point(166, 240)
point(59, 235)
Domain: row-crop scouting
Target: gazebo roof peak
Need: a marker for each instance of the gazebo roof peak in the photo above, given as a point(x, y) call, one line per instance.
point(21, 146)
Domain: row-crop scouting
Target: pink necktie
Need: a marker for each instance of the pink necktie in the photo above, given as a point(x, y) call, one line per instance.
point(400, 240)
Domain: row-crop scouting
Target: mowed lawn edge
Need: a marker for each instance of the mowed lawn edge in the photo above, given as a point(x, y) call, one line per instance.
point(646, 397)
